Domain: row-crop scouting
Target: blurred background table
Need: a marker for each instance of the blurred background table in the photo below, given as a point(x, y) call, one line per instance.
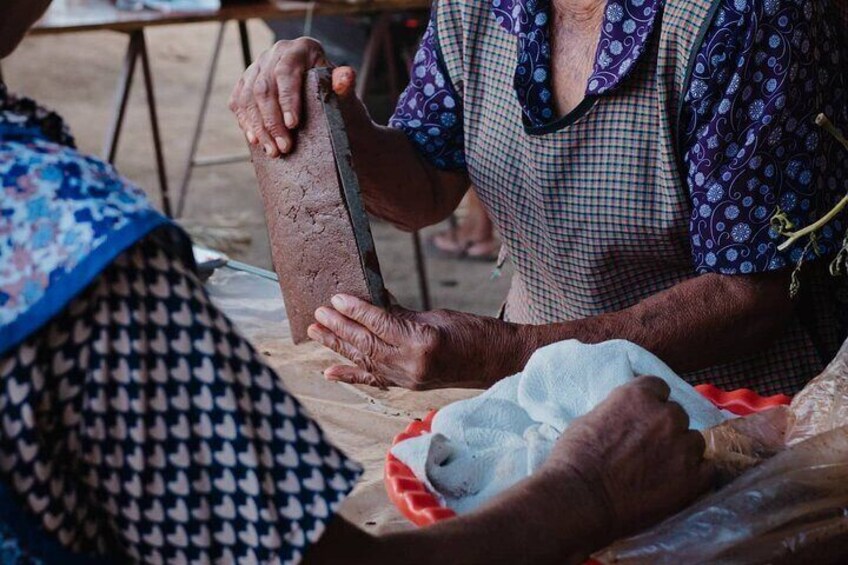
point(73, 16)
point(67, 16)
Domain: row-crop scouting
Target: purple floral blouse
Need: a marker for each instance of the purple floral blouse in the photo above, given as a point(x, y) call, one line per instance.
point(764, 70)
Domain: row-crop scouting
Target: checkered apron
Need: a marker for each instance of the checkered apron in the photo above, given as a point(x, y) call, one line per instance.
point(594, 213)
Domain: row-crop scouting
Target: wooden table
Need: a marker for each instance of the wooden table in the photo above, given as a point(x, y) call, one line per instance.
point(68, 16)
point(71, 16)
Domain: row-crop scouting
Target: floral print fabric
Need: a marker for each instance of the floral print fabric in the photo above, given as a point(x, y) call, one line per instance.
point(429, 110)
point(763, 71)
point(63, 217)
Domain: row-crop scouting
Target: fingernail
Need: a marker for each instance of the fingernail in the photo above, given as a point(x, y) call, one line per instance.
point(251, 138)
point(288, 117)
point(322, 315)
point(269, 149)
point(339, 302)
point(313, 333)
point(282, 144)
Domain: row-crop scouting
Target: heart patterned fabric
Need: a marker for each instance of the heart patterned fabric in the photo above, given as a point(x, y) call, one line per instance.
point(139, 425)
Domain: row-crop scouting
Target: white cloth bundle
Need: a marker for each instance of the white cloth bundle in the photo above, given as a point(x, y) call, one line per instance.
point(479, 447)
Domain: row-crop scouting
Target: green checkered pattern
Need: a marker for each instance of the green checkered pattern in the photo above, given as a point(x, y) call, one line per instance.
point(594, 214)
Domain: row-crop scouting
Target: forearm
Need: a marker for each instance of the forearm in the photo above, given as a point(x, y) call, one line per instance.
point(515, 528)
point(398, 184)
point(698, 323)
point(545, 519)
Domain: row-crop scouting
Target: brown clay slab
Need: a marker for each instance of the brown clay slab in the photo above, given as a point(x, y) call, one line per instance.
point(321, 241)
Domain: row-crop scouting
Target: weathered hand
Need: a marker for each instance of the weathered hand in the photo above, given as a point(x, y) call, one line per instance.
point(417, 350)
point(267, 100)
point(636, 455)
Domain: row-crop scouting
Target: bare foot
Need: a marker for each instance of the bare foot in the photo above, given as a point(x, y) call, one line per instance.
point(473, 237)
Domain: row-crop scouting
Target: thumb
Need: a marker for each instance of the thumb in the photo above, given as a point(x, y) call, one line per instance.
point(355, 114)
point(344, 82)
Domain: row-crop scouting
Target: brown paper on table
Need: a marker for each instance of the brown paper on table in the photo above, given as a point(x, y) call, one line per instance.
point(361, 421)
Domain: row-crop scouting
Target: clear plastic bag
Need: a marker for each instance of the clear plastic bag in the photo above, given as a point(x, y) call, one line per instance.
point(742, 443)
point(785, 498)
point(793, 508)
point(823, 404)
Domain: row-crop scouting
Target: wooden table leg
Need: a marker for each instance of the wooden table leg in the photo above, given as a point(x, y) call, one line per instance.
point(421, 271)
point(193, 160)
point(122, 94)
point(371, 53)
point(154, 125)
point(201, 118)
point(244, 38)
point(137, 48)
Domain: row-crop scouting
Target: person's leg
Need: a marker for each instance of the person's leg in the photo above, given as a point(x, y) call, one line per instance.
point(140, 424)
point(474, 236)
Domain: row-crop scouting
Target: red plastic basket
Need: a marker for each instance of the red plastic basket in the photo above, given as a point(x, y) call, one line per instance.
point(422, 508)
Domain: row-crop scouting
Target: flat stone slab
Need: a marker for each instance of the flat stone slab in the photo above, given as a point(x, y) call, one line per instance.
point(321, 241)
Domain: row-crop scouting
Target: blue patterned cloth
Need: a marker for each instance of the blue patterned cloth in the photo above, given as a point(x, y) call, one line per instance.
point(138, 425)
point(748, 142)
point(24, 542)
point(63, 217)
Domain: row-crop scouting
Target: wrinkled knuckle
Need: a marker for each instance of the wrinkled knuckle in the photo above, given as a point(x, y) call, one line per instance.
point(429, 342)
point(368, 364)
point(368, 345)
point(274, 129)
point(245, 99)
point(376, 320)
point(284, 97)
point(261, 88)
point(287, 67)
point(308, 42)
point(362, 361)
point(271, 126)
point(619, 393)
point(420, 368)
point(358, 359)
point(335, 345)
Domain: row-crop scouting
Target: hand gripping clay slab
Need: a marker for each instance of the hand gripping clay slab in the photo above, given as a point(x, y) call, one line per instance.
point(321, 240)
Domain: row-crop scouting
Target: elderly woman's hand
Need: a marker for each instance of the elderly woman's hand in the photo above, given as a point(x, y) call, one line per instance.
point(267, 98)
point(636, 455)
point(417, 350)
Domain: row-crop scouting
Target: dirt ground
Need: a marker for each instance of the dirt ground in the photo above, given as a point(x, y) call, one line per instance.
point(77, 74)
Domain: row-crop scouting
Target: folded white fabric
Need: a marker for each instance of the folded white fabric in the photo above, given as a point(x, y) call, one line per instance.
point(479, 447)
